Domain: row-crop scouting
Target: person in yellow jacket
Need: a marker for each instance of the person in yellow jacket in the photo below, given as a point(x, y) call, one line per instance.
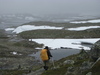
point(45, 56)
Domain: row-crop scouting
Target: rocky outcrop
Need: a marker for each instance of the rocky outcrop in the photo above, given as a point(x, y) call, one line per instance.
point(17, 63)
point(95, 51)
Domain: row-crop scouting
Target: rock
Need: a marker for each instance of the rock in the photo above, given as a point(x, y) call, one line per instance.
point(89, 73)
point(17, 63)
point(95, 51)
point(85, 65)
point(69, 62)
point(71, 69)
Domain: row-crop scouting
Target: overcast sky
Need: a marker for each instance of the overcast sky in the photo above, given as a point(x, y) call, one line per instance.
point(49, 6)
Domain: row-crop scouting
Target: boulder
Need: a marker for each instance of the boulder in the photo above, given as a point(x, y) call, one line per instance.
point(95, 51)
point(89, 73)
point(69, 62)
point(85, 65)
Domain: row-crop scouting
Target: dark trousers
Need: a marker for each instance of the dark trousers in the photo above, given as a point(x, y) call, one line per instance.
point(45, 64)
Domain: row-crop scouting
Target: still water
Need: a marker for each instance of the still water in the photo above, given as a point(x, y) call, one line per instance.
point(58, 54)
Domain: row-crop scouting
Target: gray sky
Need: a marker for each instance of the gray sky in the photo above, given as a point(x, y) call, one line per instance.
point(49, 6)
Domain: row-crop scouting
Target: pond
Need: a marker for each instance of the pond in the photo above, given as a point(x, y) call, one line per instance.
point(58, 54)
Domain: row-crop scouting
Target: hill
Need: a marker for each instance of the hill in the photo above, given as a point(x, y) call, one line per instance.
point(15, 50)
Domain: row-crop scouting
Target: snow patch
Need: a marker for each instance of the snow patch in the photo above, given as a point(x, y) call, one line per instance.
point(14, 53)
point(82, 28)
point(58, 43)
point(89, 21)
point(33, 27)
point(9, 29)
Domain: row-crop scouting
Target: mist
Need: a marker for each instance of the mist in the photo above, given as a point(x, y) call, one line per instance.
point(50, 6)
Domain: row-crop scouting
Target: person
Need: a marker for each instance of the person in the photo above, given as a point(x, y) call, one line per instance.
point(45, 56)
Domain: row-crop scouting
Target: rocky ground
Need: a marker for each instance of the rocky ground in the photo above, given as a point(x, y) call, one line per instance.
point(14, 55)
point(15, 59)
point(84, 63)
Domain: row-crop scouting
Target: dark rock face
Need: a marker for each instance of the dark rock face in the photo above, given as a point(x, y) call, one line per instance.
point(95, 51)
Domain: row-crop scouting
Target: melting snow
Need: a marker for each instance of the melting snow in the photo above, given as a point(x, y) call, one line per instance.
point(89, 21)
point(9, 29)
point(33, 27)
point(58, 43)
point(14, 53)
point(83, 28)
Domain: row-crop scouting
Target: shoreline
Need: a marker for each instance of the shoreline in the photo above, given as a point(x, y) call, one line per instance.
point(58, 53)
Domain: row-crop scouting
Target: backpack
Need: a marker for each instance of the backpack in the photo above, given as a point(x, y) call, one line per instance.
point(44, 55)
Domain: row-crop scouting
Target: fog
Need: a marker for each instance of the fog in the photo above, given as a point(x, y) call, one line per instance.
point(50, 6)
